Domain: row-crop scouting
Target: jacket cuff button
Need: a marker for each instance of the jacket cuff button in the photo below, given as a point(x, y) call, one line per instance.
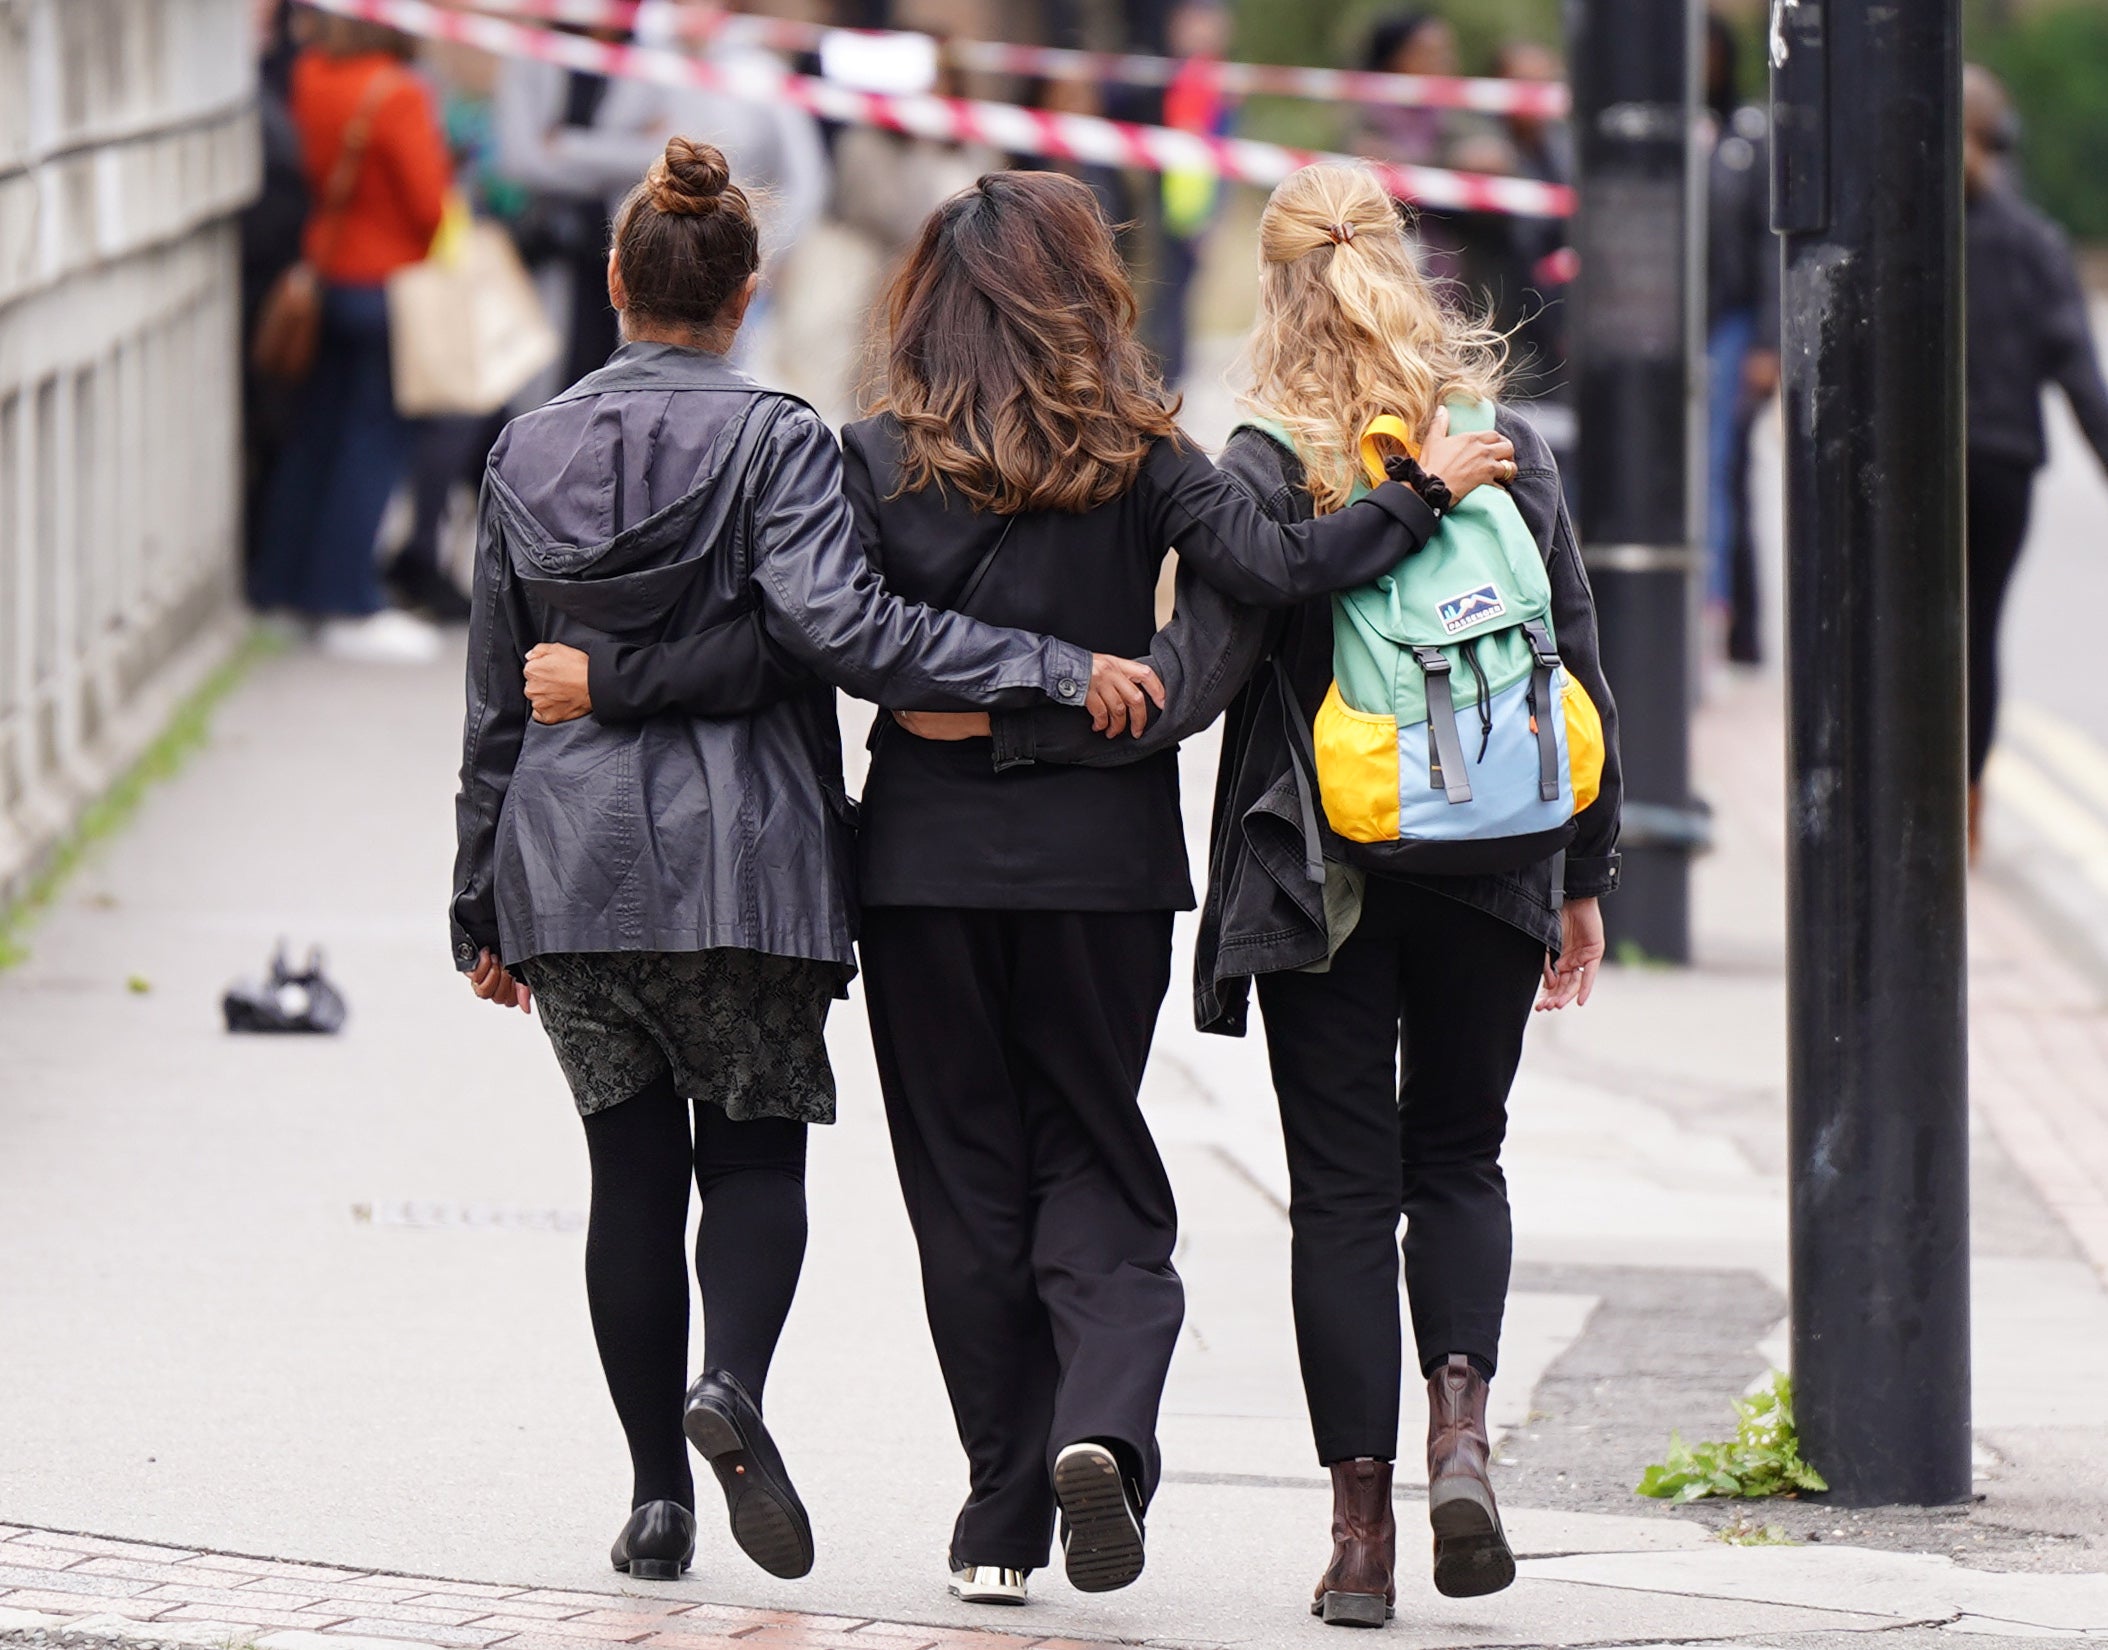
point(1067, 687)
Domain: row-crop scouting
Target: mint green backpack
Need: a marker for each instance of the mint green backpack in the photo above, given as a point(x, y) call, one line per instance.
point(1452, 739)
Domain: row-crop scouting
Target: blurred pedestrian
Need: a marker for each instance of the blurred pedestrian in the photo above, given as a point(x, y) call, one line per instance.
point(1528, 302)
point(1451, 244)
point(581, 140)
point(451, 450)
point(378, 176)
point(270, 228)
point(2027, 327)
point(1410, 43)
point(1025, 467)
point(1198, 35)
point(1351, 963)
point(674, 894)
point(1742, 334)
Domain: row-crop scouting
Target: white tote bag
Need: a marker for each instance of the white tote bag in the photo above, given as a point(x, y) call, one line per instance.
point(467, 330)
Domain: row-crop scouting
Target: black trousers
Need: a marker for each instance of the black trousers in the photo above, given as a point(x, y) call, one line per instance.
point(1010, 1047)
point(2001, 493)
point(1365, 1148)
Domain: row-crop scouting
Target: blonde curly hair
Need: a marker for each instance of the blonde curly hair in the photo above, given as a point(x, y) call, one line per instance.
point(1349, 327)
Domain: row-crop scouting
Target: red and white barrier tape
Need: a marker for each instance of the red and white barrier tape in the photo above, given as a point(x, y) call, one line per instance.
point(1083, 138)
point(697, 20)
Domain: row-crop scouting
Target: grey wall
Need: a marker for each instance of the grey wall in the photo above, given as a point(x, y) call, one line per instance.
point(127, 143)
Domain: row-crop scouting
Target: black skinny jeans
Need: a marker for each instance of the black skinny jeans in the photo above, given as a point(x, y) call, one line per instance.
point(1011, 1046)
point(2001, 493)
point(1364, 1148)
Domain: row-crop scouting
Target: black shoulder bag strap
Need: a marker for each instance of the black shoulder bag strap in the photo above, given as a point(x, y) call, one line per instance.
point(967, 592)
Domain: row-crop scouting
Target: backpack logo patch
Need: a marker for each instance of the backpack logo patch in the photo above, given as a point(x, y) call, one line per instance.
point(1461, 612)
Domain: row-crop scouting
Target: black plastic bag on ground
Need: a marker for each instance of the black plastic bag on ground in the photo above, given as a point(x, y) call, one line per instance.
point(286, 1001)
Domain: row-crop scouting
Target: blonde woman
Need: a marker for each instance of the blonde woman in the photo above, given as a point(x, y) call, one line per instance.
point(1351, 966)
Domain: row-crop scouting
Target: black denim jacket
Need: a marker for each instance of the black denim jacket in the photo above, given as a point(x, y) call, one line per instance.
point(1263, 913)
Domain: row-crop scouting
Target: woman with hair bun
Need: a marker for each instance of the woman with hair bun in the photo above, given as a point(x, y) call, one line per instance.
point(1356, 965)
point(674, 893)
point(1025, 466)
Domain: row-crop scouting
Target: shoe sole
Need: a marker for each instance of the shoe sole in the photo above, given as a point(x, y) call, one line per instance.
point(1353, 1609)
point(767, 1520)
point(1472, 1557)
point(1103, 1552)
point(965, 1596)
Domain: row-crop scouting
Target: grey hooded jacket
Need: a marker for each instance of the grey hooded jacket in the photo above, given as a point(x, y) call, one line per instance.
point(666, 496)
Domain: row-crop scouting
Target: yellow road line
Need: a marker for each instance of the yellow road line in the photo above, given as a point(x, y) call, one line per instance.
point(2074, 831)
point(2072, 756)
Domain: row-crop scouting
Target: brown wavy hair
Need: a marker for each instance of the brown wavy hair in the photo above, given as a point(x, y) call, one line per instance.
point(1010, 356)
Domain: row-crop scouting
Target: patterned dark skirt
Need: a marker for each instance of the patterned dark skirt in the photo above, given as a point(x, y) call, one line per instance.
point(741, 1029)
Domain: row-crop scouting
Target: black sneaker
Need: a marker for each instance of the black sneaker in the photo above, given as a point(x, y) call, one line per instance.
point(1101, 1519)
point(768, 1519)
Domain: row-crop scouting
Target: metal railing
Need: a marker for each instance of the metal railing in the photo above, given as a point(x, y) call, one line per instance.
point(127, 144)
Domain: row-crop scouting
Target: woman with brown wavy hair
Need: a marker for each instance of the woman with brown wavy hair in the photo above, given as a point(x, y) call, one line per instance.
point(1024, 466)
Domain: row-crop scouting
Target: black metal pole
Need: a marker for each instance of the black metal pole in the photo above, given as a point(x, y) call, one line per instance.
point(1867, 191)
point(1634, 76)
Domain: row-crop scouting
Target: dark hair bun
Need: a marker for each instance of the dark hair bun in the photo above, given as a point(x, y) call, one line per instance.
point(689, 179)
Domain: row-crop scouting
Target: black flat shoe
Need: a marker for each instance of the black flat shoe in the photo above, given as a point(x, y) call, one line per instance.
point(768, 1519)
point(1101, 1520)
point(657, 1543)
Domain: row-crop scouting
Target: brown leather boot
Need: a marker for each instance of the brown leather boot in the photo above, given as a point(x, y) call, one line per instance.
point(1471, 1549)
point(1358, 1590)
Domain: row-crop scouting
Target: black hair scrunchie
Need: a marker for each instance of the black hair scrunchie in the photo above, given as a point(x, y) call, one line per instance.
point(1433, 491)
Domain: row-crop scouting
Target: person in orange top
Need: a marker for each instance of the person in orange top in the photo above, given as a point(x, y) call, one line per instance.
point(349, 447)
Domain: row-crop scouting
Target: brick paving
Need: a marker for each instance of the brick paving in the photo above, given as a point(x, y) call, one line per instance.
point(61, 1587)
point(2038, 1049)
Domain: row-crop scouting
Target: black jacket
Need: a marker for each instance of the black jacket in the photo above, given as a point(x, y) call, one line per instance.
point(2027, 327)
point(941, 825)
point(664, 497)
point(1742, 254)
point(1263, 913)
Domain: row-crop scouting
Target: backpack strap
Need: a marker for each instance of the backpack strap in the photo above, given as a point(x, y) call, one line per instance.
point(1446, 771)
point(968, 590)
point(1546, 656)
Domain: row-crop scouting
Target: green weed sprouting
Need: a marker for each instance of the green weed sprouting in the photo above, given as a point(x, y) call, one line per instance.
point(1763, 1458)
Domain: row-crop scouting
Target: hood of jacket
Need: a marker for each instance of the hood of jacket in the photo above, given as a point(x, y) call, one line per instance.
point(613, 491)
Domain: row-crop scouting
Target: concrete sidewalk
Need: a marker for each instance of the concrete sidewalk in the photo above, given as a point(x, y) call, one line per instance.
point(320, 1301)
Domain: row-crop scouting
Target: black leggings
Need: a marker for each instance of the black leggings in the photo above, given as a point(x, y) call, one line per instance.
point(748, 1251)
point(2001, 491)
point(1364, 1148)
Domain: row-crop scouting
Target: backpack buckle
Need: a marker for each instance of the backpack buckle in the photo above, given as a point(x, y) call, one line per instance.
point(1542, 647)
point(1432, 660)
